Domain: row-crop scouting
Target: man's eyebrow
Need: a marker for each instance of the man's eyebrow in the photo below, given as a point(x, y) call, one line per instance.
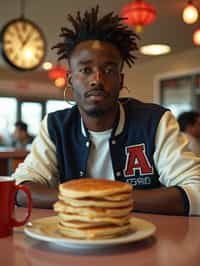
point(111, 63)
point(85, 62)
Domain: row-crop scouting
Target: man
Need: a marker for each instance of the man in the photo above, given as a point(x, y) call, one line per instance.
point(189, 123)
point(103, 137)
point(21, 137)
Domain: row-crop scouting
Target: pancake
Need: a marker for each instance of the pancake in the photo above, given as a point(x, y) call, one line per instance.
point(89, 187)
point(95, 232)
point(79, 224)
point(117, 197)
point(103, 220)
point(94, 208)
point(83, 202)
point(91, 212)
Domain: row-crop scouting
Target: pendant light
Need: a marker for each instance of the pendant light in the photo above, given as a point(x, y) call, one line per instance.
point(190, 13)
point(138, 13)
point(196, 37)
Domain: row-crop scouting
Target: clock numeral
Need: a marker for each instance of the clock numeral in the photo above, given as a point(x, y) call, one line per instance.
point(37, 39)
point(9, 50)
point(7, 42)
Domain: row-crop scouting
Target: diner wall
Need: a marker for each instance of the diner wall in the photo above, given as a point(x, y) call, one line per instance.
point(142, 80)
point(33, 84)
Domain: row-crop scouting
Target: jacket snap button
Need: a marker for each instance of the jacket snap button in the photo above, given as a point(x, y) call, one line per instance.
point(118, 173)
point(87, 144)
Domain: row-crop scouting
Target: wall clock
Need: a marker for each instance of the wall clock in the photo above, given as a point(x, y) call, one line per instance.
point(23, 44)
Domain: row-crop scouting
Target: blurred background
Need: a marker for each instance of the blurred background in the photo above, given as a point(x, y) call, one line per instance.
point(171, 79)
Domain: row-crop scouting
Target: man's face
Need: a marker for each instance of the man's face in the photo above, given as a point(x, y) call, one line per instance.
point(95, 76)
point(18, 134)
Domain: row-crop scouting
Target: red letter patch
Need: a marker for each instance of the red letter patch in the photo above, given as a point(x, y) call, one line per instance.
point(136, 159)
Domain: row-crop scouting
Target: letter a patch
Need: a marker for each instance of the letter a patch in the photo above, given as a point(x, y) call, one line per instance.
point(136, 159)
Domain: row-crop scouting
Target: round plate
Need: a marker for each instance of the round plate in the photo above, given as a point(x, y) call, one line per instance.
point(45, 229)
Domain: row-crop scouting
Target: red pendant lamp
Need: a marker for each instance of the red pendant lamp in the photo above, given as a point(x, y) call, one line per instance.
point(138, 14)
point(57, 71)
point(59, 75)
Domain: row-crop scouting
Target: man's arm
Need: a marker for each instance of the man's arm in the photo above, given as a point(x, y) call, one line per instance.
point(161, 200)
point(177, 166)
point(42, 196)
point(39, 171)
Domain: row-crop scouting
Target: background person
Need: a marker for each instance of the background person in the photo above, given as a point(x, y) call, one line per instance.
point(21, 137)
point(189, 123)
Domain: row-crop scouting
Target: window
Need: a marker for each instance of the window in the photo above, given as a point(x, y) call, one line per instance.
point(31, 114)
point(8, 116)
point(54, 105)
point(29, 111)
point(181, 94)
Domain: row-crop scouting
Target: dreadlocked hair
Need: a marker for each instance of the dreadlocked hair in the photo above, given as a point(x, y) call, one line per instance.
point(108, 29)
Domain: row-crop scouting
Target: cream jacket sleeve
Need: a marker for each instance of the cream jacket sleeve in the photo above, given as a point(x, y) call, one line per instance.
point(41, 164)
point(176, 165)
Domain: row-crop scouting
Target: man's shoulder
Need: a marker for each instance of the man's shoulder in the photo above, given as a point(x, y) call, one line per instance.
point(134, 104)
point(64, 114)
point(62, 119)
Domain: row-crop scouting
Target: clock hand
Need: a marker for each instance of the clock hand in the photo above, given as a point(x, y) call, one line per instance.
point(28, 36)
point(18, 34)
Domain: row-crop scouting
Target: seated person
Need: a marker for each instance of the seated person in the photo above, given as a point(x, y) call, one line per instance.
point(189, 123)
point(107, 137)
point(21, 137)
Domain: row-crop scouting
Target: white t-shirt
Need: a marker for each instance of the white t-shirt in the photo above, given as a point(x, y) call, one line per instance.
point(99, 162)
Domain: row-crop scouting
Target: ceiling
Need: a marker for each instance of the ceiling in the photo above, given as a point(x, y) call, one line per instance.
point(50, 15)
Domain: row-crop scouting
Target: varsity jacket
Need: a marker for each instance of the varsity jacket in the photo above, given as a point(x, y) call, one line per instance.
point(131, 150)
point(146, 147)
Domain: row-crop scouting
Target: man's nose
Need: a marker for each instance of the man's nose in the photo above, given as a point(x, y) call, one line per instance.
point(96, 78)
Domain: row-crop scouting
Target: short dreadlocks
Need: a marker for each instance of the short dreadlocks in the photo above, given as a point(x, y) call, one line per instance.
point(108, 29)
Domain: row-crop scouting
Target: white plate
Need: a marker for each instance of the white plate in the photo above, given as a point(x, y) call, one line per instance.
point(45, 229)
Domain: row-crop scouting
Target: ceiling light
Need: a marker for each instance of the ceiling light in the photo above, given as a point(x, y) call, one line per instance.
point(60, 82)
point(190, 13)
point(196, 37)
point(155, 49)
point(47, 65)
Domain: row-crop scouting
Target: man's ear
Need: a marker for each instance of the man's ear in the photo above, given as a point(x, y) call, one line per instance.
point(122, 80)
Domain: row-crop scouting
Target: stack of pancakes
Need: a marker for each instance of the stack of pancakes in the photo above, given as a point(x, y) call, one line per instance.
point(94, 209)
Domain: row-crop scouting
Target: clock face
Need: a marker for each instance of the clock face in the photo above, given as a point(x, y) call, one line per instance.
point(23, 44)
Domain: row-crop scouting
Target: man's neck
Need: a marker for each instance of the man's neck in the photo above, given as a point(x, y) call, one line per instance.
point(101, 123)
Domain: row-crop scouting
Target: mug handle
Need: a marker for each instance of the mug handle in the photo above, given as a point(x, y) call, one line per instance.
point(28, 194)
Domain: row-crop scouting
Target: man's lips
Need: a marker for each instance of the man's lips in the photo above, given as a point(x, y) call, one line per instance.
point(95, 93)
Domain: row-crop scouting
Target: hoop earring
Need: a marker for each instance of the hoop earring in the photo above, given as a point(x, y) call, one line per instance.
point(126, 88)
point(125, 98)
point(65, 95)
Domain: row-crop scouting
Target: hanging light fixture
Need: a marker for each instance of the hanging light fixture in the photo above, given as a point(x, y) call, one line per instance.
point(196, 37)
point(138, 14)
point(59, 75)
point(155, 49)
point(57, 71)
point(190, 13)
point(60, 82)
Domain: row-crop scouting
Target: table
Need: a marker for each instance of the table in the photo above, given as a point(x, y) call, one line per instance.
point(176, 242)
point(9, 159)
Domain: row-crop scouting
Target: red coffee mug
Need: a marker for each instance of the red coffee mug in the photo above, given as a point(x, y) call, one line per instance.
point(8, 190)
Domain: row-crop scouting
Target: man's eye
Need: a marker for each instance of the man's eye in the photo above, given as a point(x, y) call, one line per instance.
point(86, 70)
point(108, 70)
